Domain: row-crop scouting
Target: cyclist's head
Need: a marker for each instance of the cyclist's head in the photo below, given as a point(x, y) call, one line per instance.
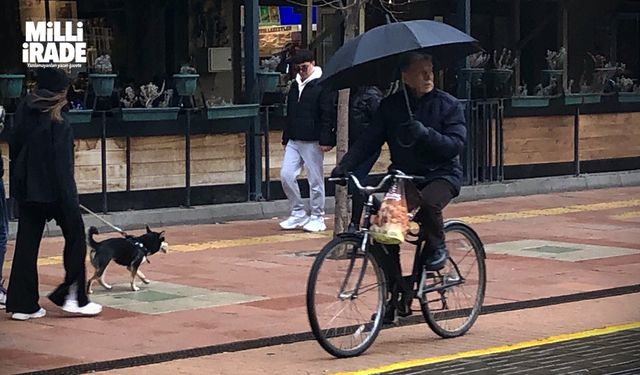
point(417, 72)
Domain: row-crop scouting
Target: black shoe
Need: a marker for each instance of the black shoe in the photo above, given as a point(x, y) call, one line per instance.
point(404, 305)
point(437, 259)
point(352, 228)
point(389, 316)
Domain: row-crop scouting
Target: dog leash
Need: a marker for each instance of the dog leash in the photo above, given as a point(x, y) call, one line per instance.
point(122, 232)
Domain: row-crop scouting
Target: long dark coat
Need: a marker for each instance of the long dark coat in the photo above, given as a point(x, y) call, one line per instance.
point(42, 160)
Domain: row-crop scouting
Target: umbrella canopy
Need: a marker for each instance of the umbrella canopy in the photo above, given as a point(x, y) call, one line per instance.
point(372, 58)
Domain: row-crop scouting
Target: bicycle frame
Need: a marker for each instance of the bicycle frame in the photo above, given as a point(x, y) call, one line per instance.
point(416, 273)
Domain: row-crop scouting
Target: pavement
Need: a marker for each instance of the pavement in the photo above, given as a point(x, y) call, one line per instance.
point(268, 209)
point(229, 298)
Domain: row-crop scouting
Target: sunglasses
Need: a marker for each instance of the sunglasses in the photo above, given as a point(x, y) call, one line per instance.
point(303, 67)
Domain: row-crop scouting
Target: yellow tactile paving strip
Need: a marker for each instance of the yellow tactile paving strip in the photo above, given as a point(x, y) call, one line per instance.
point(550, 211)
point(478, 219)
point(493, 350)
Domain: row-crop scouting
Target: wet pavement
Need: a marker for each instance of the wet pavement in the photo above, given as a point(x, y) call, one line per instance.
point(234, 287)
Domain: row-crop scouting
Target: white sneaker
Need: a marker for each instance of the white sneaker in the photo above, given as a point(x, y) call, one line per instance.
point(294, 222)
point(315, 224)
point(90, 309)
point(22, 316)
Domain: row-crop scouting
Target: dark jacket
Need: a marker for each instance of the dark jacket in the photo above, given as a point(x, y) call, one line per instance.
point(437, 143)
point(312, 116)
point(363, 104)
point(42, 160)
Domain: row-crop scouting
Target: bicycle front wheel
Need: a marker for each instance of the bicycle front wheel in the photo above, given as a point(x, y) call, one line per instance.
point(345, 297)
point(455, 294)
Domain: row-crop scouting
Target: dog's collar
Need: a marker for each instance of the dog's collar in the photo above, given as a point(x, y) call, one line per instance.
point(138, 244)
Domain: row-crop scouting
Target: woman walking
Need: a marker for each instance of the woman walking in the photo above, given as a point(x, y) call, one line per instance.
point(42, 181)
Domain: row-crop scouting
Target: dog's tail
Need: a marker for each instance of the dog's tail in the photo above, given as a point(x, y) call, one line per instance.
point(92, 243)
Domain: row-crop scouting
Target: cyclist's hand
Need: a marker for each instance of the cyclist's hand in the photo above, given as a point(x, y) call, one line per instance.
point(339, 172)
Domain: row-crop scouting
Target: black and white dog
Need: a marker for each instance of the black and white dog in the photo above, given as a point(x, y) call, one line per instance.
point(129, 252)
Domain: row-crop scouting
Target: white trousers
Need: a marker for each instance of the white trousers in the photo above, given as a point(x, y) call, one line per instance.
point(296, 155)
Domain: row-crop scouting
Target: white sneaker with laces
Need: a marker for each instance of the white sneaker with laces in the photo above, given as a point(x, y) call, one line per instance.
point(3, 300)
point(294, 222)
point(90, 309)
point(315, 224)
point(23, 316)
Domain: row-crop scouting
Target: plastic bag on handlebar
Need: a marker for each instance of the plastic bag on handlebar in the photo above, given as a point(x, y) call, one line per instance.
point(392, 221)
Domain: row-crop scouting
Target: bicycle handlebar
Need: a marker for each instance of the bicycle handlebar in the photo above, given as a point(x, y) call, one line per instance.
point(396, 174)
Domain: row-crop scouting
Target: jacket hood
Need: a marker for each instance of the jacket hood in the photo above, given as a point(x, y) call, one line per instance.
point(31, 100)
point(317, 73)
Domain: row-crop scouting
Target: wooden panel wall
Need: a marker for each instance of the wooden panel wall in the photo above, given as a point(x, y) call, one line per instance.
point(88, 161)
point(537, 140)
point(157, 162)
point(608, 136)
point(549, 139)
point(218, 159)
point(276, 153)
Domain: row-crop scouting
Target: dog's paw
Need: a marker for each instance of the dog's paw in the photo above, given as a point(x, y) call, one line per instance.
point(90, 291)
point(135, 288)
point(146, 281)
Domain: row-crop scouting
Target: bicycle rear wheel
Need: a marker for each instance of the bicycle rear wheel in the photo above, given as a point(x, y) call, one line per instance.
point(345, 321)
point(454, 295)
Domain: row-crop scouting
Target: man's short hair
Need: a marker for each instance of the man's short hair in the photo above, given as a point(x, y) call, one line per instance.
point(302, 56)
point(410, 57)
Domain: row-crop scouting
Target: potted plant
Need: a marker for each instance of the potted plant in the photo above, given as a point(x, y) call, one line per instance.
point(11, 85)
point(541, 96)
point(268, 77)
point(102, 78)
point(78, 115)
point(499, 77)
point(152, 104)
point(473, 75)
point(218, 108)
point(585, 95)
point(555, 64)
point(629, 90)
point(186, 81)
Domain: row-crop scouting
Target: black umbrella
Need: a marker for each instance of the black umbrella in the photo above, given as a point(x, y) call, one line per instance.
point(372, 58)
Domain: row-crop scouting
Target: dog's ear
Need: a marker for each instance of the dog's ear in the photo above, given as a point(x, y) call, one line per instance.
point(148, 229)
point(161, 234)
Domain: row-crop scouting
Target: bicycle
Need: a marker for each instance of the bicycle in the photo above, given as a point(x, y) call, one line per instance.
point(346, 310)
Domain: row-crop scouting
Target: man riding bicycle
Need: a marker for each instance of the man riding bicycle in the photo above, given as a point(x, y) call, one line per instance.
point(427, 144)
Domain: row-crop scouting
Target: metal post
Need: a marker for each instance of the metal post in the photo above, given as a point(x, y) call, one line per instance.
point(103, 154)
point(500, 145)
point(576, 141)
point(128, 156)
point(187, 160)
point(253, 139)
point(267, 161)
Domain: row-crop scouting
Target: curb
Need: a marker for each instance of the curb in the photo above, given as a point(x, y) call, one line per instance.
point(158, 218)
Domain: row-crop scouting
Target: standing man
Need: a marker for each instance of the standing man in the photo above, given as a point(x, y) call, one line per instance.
point(307, 135)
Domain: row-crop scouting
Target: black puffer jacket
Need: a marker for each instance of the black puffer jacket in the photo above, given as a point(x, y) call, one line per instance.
point(312, 115)
point(437, 143)
point(363, 104)
point(42, 160)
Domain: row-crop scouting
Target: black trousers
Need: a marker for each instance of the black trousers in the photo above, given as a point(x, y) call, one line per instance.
point(432, 199)
point(22, 294)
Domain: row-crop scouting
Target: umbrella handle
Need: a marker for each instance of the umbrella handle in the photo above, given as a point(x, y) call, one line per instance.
point(406, 100)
